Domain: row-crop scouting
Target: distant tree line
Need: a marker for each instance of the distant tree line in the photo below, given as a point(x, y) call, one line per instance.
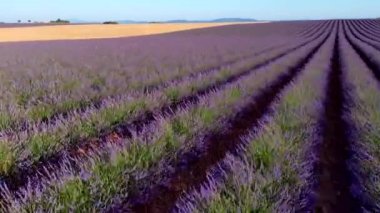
point(28, 21)
point(110, 22)
point(60, 21)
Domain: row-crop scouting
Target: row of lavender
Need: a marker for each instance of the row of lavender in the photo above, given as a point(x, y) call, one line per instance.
point(82, 73)
point(36, 140)
point(40, 141)
point(364, 75)
point(124, 154)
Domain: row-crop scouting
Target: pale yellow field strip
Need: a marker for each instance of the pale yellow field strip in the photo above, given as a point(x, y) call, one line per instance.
point(71, 32)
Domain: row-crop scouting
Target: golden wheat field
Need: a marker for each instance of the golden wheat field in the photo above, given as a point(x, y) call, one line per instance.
point(93, 31)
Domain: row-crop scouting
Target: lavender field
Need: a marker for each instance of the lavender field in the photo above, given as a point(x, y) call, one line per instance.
point(272, 117)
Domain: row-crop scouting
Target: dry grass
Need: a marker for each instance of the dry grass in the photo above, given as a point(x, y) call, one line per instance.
point(68, 32)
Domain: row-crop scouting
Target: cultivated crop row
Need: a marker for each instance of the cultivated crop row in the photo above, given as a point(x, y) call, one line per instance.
point(192, 171)
point(326, 159)
point(40, 144)
point(270, 170)
point(87, 72)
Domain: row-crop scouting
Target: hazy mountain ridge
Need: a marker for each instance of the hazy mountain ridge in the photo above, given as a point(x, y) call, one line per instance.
point(127, 21)
point(190, 21)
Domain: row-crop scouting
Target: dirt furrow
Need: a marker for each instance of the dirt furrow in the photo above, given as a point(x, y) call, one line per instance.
point(192, 171)
point(357, 36)
point(317, 29)
point(307, 29)
point(310, 29)
point(363, 29)
point(364, 36)
point(363, 55)
point(333, 192)
point(372, 25)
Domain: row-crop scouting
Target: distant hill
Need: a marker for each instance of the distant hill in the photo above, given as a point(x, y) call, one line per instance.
point(179, 21)
point(130, 22)
point(234, 20)
point(77, 21)
point(214, 21)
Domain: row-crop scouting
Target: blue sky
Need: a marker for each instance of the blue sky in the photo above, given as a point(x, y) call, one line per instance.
point(159, 10)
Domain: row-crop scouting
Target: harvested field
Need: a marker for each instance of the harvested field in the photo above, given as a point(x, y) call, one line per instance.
point(9, 33)
point(272, 117)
